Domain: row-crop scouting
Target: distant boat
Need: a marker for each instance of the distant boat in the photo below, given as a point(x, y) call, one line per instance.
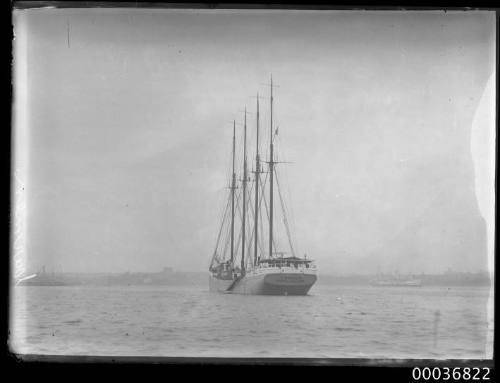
point(396, 280)
point(259, 272)
point(42, 279)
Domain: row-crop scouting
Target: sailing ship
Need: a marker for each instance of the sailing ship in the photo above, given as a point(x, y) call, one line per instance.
point(252, 263)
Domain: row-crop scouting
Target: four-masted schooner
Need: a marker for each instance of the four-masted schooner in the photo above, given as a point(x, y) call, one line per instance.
point(267, 272)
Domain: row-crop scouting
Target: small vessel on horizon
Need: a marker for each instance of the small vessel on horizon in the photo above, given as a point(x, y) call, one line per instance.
point(259, 272)
point(42, 278)
point(396, 280)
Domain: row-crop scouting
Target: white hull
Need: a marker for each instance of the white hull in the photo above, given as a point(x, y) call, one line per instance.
point(269, 281)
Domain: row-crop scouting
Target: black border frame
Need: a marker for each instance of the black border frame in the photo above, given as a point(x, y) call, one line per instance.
point(387, 369)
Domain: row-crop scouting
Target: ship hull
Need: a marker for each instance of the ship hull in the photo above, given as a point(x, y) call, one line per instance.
point(266, 284)
point(218, 285)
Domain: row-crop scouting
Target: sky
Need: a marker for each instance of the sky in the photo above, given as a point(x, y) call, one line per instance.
point(123, 128)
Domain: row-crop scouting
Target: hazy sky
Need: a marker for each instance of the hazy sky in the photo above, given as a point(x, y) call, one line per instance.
point(123, 133)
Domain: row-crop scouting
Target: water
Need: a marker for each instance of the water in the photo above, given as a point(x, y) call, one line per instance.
point(332, 322)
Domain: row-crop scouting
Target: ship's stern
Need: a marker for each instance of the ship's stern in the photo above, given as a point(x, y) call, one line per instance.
point(288, 283)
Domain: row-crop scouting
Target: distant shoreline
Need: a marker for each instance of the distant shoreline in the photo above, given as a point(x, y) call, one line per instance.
point(176, 278)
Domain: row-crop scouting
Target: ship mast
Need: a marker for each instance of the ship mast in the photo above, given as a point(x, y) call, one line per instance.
point(243, 229)
point(233, 186)
point(257, 171)
point(271, 172)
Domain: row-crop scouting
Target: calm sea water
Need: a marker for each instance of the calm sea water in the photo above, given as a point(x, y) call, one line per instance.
point(333, 322)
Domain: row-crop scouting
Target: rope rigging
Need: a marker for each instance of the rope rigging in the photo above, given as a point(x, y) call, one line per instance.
point(285, 221)
point(251, 237)
point(220, 232)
